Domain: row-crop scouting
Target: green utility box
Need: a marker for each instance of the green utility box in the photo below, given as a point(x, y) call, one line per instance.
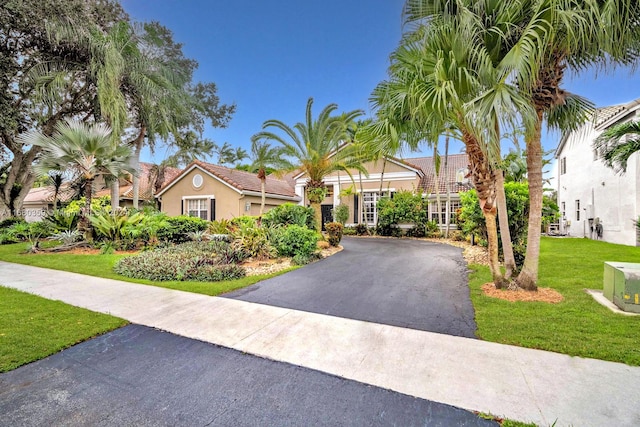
point(622, 285)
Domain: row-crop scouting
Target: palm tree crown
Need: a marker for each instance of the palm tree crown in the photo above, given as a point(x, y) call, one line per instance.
point(87, 150)
point(311, 146)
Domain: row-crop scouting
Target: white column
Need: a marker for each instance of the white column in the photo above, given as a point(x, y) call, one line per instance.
point(336, 195)
point(300, 193)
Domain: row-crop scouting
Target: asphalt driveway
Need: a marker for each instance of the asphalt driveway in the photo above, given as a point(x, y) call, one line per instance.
point(400, 282)
point(144, 377)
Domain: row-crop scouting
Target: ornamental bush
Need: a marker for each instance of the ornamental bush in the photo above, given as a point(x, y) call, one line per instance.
point(334, 230)
point(404, 207)
point(198, 261)
point(177, 228)
point(294, 240)
point(290, 213)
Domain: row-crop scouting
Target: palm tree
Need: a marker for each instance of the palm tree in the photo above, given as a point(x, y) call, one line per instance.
point(224, 153)
point(435, 77)
point(264, 157)
point(311, 147)
point(84, 149)
point(616, 145)
point(538, 40)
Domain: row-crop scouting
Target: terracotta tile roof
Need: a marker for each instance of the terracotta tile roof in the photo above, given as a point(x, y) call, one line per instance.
point(241, 180)
point(428, 183)
point(45, 194)
point(146, 190)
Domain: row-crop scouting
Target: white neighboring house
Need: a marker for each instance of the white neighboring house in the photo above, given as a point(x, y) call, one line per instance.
point(590, 193)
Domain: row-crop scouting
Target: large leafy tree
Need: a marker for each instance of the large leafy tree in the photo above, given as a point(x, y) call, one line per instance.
point(84, 149)
point(616, 145)
point(24, 31)
point(311, 147)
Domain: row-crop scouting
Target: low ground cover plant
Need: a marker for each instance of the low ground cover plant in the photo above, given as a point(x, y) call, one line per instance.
point(196, 261)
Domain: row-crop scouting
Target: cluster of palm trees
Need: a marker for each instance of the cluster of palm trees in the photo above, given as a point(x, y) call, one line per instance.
point(477, 68)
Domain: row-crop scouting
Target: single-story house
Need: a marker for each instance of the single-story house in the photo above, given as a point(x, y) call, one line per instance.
point(594, 201)
point(216, 192)
point(413, 174)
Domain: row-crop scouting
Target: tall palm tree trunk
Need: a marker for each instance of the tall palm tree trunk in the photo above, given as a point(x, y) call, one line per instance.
point(384, 165)
point(505, 233)
point(484, 182)
point(446, 184)
point(263, 190)
point(114, 185)
point(139, 141)
point(528, 277)
point(84, 225)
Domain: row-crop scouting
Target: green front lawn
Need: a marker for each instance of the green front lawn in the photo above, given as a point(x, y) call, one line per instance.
point(102, 266)
point(577, 326)
point(32, 327)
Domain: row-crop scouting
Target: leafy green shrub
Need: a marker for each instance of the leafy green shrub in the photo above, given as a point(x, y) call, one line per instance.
point(362, 230)
point(62, 220)
point(349, 231)
point(302, 259)
point(341, 213)
point(6, 223)
point(388, 230)
point(295, 240)
point(404, 207)
point(221, 226)
point(418, 230)
point(177, 228)
point(253, 240)
point(112, 226)
point(290, 213)
point(199, 261)
point(334, 230)
point(431, 227)
point(245, 220)
point(97, 203)
point(148, 228)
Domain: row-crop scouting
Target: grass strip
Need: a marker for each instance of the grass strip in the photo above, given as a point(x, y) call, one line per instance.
point(32, 327)
point(102, 266)
point(578, 326)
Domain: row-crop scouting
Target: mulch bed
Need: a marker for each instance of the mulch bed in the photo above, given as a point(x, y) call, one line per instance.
point(547, 295)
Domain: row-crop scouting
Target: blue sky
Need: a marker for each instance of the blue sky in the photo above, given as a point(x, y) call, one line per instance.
point(269, 57)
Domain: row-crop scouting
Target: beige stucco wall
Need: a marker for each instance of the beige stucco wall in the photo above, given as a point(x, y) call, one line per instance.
point(227, 199)
point(229, 202)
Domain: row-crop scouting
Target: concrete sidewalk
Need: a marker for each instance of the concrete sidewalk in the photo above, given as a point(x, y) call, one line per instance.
point(518, 383)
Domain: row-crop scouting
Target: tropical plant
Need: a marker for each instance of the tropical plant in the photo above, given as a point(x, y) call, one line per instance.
point(67, 237)
point(62, 220)
point(113, 225)
point(176, 229)
point(616, 145)
point(85, 149)
point(264, 157)
point(290, 213)
point(341, 213)
point(253, 240)
point(310, 146)
point(334, 230)
point(198, 261)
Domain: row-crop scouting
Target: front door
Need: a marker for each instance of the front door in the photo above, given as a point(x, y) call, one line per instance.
point(327, 214)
